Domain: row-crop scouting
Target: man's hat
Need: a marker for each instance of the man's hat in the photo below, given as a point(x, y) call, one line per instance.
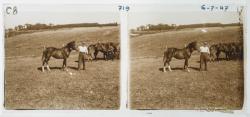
point(82, 43)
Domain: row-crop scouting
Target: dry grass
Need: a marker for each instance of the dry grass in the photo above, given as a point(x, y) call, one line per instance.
point(222, 87)
point(26, 87)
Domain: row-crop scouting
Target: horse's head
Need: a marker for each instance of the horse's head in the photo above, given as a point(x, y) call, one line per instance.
point(71, 45)
point(213, 50)
point(91, 48)
point(100, 46)
point(193, 46)
point(222, 47)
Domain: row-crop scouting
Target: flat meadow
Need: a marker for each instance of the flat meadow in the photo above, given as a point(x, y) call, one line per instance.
point(27, 87)
point(221, 87)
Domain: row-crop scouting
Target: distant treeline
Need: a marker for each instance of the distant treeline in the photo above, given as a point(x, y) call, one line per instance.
point(151, 27)
point(28, 28)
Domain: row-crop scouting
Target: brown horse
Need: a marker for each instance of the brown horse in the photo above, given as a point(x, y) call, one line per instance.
point(184, 53)
point(57, 53)
point(104, 48)
point(101, 47)
point(116, 47)
point(231, 50)
point(213, 52)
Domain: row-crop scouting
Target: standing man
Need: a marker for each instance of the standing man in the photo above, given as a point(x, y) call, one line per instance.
point(83, 49)
point(204, 57)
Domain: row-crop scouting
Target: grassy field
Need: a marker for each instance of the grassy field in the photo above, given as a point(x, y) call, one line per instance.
point(221, 87)
point(26, 87)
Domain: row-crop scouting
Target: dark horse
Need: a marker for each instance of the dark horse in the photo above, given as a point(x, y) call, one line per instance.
point(184, 53)
point(58, 53)
point(104, 48)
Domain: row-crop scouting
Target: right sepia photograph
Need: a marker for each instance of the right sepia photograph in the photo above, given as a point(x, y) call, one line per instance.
point(186, 57)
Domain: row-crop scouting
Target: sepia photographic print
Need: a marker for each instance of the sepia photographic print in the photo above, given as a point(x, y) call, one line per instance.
point(186, 57)
point(61, 56)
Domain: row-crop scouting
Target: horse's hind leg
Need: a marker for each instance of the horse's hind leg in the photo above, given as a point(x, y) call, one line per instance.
point(169, 68)
point(166, 61)
point(47, 66)
point(46, 60)
point(164, 67)
point(43, 66)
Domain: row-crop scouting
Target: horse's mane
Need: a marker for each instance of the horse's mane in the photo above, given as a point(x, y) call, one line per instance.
point(70, 44)
point(192, 44)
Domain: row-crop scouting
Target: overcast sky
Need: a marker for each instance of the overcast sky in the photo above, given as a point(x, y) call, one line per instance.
point(139, 14)
point(62, 14)
point(181, 14)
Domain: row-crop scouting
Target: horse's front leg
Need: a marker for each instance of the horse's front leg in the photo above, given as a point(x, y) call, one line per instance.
point(217, 55)
point(186, 65)
point(43, 66)
point(95, 54)
point(64, 67)
point(169, 68)
point(227, 56)
point(105, 56)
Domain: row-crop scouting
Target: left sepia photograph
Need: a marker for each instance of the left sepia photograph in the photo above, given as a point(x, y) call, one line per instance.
point(61, 57)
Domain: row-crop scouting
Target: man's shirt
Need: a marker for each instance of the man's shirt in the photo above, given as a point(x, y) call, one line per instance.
point(204, 49)
point(83, 49)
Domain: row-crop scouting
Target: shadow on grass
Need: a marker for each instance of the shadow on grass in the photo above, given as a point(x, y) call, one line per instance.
point(180, 69)
point(74, 68)
point(97, 59)
point(174, 69)
point(195, 68)
point(51, 68)
point(58, 68)
point(218, 60)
